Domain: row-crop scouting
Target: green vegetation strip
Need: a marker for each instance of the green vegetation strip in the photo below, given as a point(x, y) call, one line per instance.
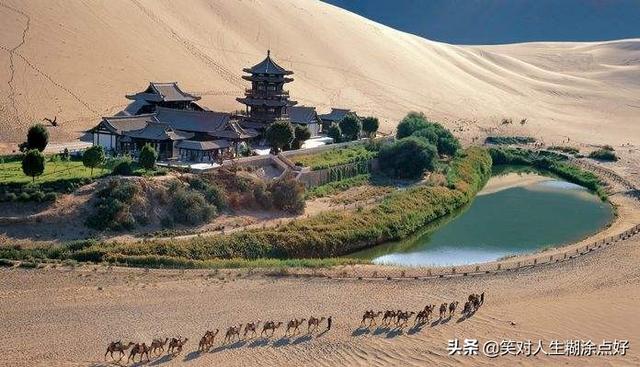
point(336, 157)
point(551, 162)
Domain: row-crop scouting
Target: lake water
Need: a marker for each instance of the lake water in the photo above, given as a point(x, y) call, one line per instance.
point(515, 213)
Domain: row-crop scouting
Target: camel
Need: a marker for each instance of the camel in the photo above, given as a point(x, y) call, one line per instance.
point(429, 310)
point(175, 345)
point(315, 322)
point(157, 345)
point(270, 325)
point(403, 318)
point(388, 316)
point(452, 308)
point(421, 317)
point(467, 308)
point(232, 331)
point(140, 349)
point(371, 316)
point(251, 327)
point(117, 347)
point(294, 324)
point(443, 310)
point(206, 342)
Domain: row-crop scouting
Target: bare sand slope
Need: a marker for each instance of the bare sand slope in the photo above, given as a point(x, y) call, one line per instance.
point(61, 318)
point(77, 59)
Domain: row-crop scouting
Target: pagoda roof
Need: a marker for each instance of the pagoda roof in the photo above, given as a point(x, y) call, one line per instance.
point(266, 102)
point(163, 92)
point(155, 130)
point(268, 66)
point(234, 131)
point(303, 115)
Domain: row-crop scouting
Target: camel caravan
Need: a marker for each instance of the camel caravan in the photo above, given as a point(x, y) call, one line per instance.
point(233, 333)
point(400, 319)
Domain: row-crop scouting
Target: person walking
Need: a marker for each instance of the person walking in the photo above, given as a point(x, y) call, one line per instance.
point(329, 323)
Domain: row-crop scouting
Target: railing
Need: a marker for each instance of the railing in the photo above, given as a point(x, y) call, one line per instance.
point(266, 93)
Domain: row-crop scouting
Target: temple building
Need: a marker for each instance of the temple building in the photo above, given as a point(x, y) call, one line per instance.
point(167, 95)
point(266, 101)
point(335, 116)
point(172, 121)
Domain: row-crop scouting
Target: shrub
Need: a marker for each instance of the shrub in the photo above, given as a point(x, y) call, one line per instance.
point(113, 208)
point(123, 166)
point(93, 157)
point(604, 155)
point(301, 134)
point(148, 157)
point(350, 126)
point(191, 207)
point(288, 195)
point(407, 158)
point(335, 133)
point(37, 137)
point(370, 125)
point(279, 134)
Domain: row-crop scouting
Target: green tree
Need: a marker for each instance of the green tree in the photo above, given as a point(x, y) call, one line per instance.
point(301, 133)
point(93, 157)
point(411, 123)
point(33, 163)
point(407, 158)
point(37, 138)
point(335, 133)
point(351, 126)
point(148, 157)
point(370, 125)
point(279, 135)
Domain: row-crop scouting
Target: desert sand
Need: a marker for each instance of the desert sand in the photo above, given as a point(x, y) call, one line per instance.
point(77, 60)
point(66, 315)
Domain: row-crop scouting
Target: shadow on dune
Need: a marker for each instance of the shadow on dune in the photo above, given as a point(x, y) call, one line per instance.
point(191, 356)
point(360, 331)
point(164, 359)
point(415, 329)
point(261, 342)
point(282, 342)
point(435, 322)
point(394, 333)
point(381, 330)
point(302, 339)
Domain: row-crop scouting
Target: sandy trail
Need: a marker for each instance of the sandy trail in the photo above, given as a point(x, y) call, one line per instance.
point(62, 307)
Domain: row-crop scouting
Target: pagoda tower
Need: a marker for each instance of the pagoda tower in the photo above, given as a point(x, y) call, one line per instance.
point(266, 101)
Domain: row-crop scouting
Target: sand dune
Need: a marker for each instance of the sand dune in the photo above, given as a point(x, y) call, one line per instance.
point(76, 60)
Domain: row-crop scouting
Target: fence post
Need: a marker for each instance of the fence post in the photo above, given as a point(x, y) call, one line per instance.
point(535, 261)
point(499, 266)
point(551, 258)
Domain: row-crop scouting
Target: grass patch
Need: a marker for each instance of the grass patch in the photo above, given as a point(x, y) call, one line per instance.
point(565, 149)
point(509, 140)
point(336, 157)
point(334, 187)
point(11, 172)
point(604, 154)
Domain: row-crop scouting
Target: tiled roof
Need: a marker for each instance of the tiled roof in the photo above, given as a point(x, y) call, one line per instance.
point(158, 131)
point(268, 66)
point(203, 145)
point(302, 115)
point(164, 92)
